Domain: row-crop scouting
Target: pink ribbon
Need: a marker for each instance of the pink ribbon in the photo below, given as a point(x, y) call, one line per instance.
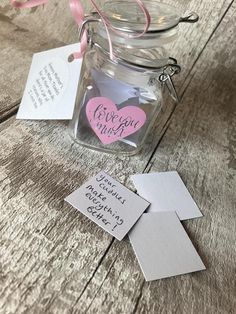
point(78, 15)
point(77, 12)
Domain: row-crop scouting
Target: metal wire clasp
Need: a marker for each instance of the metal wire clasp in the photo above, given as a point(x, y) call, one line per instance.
point(165, 78)
point(192, 17)
point(88, 19)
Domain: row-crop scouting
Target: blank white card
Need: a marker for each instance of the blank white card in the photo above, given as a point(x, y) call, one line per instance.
point(166, 192)
point(162, 246)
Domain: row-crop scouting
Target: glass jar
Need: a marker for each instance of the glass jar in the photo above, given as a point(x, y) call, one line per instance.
point(119, 100)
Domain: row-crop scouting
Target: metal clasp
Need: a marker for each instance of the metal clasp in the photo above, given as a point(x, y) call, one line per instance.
point(165, 78)
point(88, 19)
point(192, 17)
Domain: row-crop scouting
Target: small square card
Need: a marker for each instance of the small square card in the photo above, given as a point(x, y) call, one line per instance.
point(109, 204)
point(166, 192)
point(162, 246)
point(51, 86)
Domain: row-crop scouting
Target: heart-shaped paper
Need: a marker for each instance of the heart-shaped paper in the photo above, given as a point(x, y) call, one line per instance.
point(110, 124)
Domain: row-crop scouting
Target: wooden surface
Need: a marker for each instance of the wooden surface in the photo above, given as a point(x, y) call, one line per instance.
point(52, 259)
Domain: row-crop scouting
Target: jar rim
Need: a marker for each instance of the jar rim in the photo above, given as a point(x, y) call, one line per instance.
point(126, 15)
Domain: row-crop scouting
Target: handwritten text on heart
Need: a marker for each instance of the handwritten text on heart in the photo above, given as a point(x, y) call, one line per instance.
point(111, 124)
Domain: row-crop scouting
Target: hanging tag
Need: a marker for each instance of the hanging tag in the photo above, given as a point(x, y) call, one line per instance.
point(51, 86)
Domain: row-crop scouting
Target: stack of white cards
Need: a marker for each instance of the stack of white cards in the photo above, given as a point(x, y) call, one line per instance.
point(159, 240)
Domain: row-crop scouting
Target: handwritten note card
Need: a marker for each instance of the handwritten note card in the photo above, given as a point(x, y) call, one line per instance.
point(109, 204)
point(51, 86)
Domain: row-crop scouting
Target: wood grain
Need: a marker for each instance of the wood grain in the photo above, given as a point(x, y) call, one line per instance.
point(40, 165)
point(54, 19)
point(53, 260)
point(17, 46)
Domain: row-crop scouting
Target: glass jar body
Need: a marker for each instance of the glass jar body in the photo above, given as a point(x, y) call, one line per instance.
point(116, 105)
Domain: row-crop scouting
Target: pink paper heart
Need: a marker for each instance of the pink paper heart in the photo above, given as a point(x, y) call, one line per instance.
point(111, 124)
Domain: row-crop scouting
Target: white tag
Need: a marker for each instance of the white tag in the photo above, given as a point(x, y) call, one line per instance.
point(162, 246)
point(109, 204)
point(51, 86)
point(166, 192)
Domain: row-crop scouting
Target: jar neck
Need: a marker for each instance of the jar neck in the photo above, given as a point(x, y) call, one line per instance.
point(142, 60)
point(150, 40)
point(119, 69)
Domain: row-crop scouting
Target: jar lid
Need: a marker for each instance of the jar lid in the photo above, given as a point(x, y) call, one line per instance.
point(127, 16)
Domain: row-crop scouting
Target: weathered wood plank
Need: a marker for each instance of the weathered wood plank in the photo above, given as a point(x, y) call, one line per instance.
point(54, 19)
point(200, 145)
point(49, 252)
point(17, 46)
point(61, 249)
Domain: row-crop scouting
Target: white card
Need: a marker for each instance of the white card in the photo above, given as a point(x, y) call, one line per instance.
point(115, 90)
point(162, 246)
point(109, 204)
point(51, 86)
point(166, 192)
